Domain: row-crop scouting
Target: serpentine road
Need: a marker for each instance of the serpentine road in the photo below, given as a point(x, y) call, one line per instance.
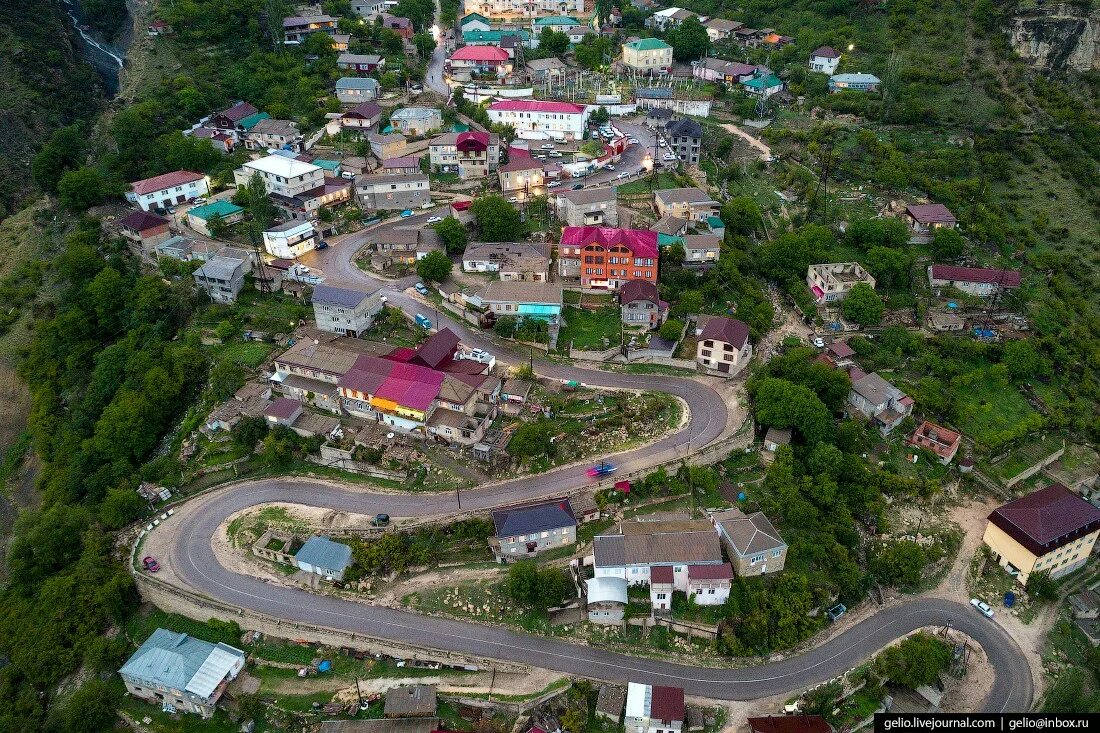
point(192, 562)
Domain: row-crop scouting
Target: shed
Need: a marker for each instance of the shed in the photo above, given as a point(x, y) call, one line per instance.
point(322, 556)
point(413, 701)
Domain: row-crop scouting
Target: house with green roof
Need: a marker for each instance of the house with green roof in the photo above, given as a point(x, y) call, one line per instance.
point(332, 166)
point(493, 38)
point(200, 218)
point(474, 22)
point(181, 673)
point(252, 120)
point(648, 56)
point(762, 85)
point(556, 23)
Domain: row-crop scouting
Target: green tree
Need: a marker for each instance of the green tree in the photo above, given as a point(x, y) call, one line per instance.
point(741, 215)
point(689, 41)
point(671, 329)
point(599, 116)
point(899, 564)
point(782, 404)
point(532, 440)
point(594, 51)
point(602, 11)
point(1021, 359)
point(868, 233)
point(121, 507)
point(553, 43)
point(891, 267)
point(948, 244)
point(90, 709)
point(863, 306)
point(434, 267)
point(1041, 586)
point(249, 432)
point(497, 220)
point(454, 235)
point(62, 152)
point(917, 661)
point(425, 44)
point(81, 189)
point(225, 379)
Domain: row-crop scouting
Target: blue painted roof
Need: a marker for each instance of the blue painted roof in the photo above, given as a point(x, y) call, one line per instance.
point(176, 661)
point(321, 552)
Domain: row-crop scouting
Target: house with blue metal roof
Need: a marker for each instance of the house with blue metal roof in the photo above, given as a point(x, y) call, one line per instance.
point(854, 83)
point(322, 556)
point(181, 673)
point(524, 531)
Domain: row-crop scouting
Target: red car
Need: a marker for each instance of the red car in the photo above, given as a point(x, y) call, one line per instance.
point(150, 564)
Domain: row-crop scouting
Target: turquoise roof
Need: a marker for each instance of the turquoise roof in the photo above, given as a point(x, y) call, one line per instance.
point(492, 36)
point(328, 165)
point(323, 553)
point(215, 209)
point(249, 122)
point(715, 222)
point(459, 127)
point(648, 44)
point(557, 20)
point(663, 240)
point(176, 660)
point(763, 82)
point(474, 16)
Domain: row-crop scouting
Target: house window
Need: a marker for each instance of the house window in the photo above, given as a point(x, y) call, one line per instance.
point(776, 553)
point(757, 558)
point(661, 596)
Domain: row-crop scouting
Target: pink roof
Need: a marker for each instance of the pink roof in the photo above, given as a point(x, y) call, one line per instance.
point(521, 164)
point(461, 205)
point(1006, 278)
point(408, 385)
point(283, 408)
point(163, 181)
point(641, 243)
point(526, 105)
point(401, 353)
point(407, 161)
point(480, 53)
point(826, 52)
point(931, 213)
point(661, 574)
point(472, 140)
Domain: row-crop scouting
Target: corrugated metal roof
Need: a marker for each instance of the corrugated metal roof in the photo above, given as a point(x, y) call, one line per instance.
point(181, 662)
point(321, 552)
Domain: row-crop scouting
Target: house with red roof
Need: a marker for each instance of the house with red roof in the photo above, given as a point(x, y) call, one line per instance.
point(541, 120)
point(146, 229)
point(606, 258)
point(710, 585)
point(471, 154)
point(640, 305)
point(168, 189)
point(980, 282)
point(724, 346)
point(480, 60)
point(1051, 530)
point(937, 439)
point(925, 219)
point(654, 709)
point(230, 118)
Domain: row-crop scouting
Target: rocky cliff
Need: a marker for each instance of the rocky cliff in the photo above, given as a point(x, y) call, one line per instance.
point(1058, 37)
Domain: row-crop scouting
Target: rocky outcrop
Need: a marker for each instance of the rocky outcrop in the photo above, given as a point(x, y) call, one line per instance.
point(1058, 37)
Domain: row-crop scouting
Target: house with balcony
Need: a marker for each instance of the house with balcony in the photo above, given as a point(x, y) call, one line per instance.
point(522, 178)
point(222, 278)
point(281, 175)
point(605, 258)
point(588, 207)
point(877, 400)
point(685, 139)
point(831, 282)
point(393, 192)
point(299, 27)
point(480, 60)
point(525, 530)
point(647, 56)
point(824, 60)
point(269, 134)
point(472, 154)
point(640, 305)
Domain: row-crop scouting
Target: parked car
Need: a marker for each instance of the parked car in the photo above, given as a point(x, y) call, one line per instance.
point(668, 157)
point(422, 321)
point(633, 140)
point(553, 184)
point(555, 154)
point(610, 166)
point(322, 244)
point(150, 564)
point(380, 520)
point(983, 607)
point(547, 146)
point(199, 201)
point(819, 342)
point(513, 200)
point(434, 219)
point(577, 186)
point(421, 288)
point(406, 213)
point(622, 175)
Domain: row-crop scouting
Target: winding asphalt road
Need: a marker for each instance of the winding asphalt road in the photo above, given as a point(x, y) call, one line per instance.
point(193, 563)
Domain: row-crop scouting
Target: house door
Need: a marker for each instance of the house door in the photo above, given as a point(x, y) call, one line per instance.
point(180, 199)
point(532, 546)
point(723, 366)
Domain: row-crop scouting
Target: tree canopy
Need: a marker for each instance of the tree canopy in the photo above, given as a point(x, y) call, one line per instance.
point(434, 267)
point(497, 220)
point(862, 305)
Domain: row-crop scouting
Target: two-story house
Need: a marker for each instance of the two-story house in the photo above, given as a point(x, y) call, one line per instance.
point(724, 345)
point(880, 402)
point(346, 311)
point(144, 228)
point(635, 548)
point(525, 530)
point(752, 543)
point(588, 207)
point(357, 89)
point(556, 120)
point(281, 175)
point(274, 134)
point(168, 189)
point(181, 673)
point(640, 305)
point(693, 204)
point(824, 60)
point(363, 117)
point(299, 27)
point(389, 192)
point(701, 250)
point(290, 240)
point(522, 177)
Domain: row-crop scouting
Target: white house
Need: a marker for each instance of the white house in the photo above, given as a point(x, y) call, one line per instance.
point(282, 175)
point(168, 189)
point(321, 556)
point(541, 120)
point(345, 311)
point(825, 60)
point(638, 547)
point(290, 240)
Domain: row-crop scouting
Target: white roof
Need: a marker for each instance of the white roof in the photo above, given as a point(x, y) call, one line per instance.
point(278, 165)
point(215, 669)
point(637, 700)
point(668, 12)
point(607, 588)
